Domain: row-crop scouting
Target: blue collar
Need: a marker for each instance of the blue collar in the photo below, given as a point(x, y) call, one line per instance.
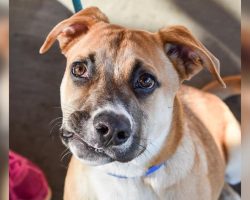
point(150, 171)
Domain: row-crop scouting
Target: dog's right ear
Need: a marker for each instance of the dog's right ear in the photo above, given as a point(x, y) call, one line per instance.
point(67, 31)
point(188, 54)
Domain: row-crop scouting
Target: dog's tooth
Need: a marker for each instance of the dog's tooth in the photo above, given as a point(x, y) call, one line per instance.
point(99, 150)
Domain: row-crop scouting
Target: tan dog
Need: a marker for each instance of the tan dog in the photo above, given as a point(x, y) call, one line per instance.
point(124, 111)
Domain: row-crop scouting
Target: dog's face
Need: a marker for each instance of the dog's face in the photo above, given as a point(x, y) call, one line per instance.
point(116, 91)
point(119, 86)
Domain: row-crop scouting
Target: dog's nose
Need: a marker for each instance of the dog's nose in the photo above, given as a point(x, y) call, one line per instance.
point(113, 129)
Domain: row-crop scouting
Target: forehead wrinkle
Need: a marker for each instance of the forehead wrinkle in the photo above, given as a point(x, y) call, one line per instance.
point(107, 55)
point(117, 39)
point(136, 49)
point(130, 50)
point(104, 62)
point(96, 38)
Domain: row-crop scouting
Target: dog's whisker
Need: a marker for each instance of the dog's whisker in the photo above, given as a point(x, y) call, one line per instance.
point(147, 153)
point(64, 151)
point(67, 152)
point(55, 120)
point(54, 127)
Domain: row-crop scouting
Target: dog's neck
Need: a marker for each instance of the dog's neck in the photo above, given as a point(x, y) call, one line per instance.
point(166, 143)
point(174, 136)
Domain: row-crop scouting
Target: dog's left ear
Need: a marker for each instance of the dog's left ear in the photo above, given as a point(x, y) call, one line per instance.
point(187, 54)
point(68, 31)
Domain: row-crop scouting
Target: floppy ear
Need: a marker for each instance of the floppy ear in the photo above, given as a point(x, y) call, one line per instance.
point(187, 54)
point(67, 31)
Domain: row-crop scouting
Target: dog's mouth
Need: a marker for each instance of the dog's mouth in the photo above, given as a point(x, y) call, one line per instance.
point(83, 150)
point(93, 155)
point(91, 147)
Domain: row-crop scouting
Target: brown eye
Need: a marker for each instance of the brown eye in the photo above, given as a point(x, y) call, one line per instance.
point(146, 81)
point(79, 69)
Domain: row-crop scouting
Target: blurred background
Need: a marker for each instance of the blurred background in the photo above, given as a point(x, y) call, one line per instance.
point(35, 79)
point(4, 98)
point(245, 58)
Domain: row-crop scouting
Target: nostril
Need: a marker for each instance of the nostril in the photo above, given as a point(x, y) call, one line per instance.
point(102, 129)
point(121, 137)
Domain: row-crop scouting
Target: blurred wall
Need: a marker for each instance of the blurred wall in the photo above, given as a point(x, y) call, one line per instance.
point(4, 99)
point(245, 49)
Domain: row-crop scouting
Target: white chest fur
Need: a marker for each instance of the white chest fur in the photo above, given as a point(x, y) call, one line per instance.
point(157, 186)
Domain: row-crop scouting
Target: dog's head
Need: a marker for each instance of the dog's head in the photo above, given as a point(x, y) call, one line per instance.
point(119, 86)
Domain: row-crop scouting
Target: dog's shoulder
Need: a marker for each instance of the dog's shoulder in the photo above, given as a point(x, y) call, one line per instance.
point(190, 95)
point(205, 115)
point(207, 109)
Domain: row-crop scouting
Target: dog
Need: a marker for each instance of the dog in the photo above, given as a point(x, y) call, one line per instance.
point(135, 131)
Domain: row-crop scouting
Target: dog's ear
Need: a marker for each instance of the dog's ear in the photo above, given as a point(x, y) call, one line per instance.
point(187, 54)
point(67, 31)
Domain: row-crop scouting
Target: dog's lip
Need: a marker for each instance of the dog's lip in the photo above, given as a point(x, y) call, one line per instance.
point(90, 147)
point(87, 153)
point(78, 137)
point(97, 150)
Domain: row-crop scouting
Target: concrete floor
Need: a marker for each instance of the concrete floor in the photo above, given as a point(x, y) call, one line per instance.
point(35, 79)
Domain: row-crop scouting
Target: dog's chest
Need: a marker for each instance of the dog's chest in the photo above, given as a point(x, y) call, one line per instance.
point(178, 179)
point(123, 189)
point(157, 188)
point(184, 176)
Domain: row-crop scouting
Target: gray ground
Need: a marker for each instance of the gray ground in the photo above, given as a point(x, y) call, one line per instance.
point(35, 79)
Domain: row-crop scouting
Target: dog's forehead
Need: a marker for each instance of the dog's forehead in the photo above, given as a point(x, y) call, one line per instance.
point(117, 46)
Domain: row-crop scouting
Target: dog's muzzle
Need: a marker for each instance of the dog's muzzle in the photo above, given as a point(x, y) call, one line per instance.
point(110, 129)
point(104, 137)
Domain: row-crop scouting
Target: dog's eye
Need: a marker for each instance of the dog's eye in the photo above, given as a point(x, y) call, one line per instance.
point(79, 69)
point(145, 81)
point(145, 84)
